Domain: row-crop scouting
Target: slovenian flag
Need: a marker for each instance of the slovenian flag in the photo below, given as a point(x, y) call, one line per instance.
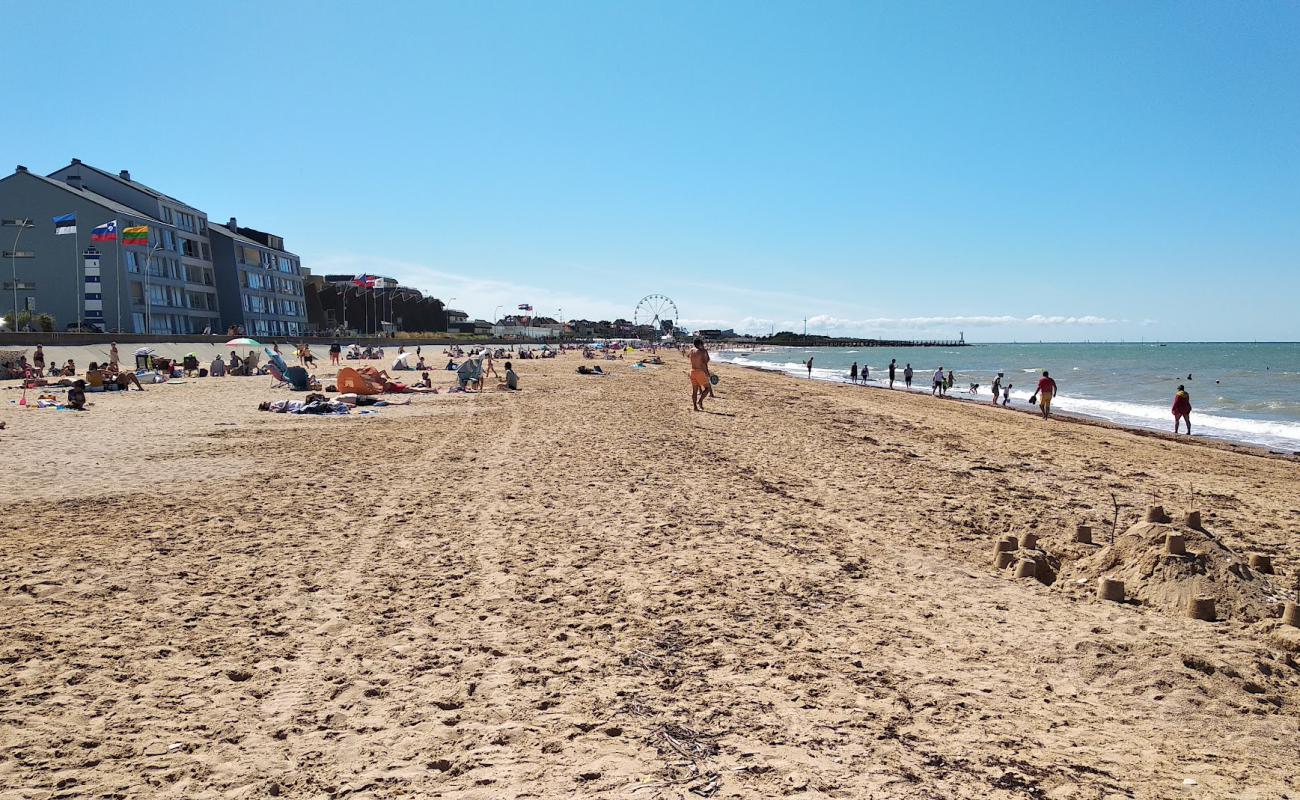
point(65, 224)
point(365, 280)
point(105, 233)
point(137, 236)
point(525, 307)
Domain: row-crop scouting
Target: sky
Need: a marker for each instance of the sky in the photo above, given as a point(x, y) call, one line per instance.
point(1011, 170)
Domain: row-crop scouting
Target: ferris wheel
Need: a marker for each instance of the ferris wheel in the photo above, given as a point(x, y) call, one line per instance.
point(654, 310)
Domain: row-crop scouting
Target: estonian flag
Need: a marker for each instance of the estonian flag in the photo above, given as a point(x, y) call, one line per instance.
point(65, 224)
point(105, 233)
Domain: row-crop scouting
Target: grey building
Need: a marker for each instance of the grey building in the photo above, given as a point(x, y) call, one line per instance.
point(52, 279)
point(177, 291)
point(259, 283)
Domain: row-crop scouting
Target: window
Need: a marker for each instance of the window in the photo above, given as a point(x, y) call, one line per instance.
point(266, 260)
point(249, 255)
point(137, 322)
point(157, 297)
point(132, 263)
point(286, 264)
point(167, 242)
point(257, 304)
point(190, 247)
point(203, 228)
point(166, 214)
point(204, 249)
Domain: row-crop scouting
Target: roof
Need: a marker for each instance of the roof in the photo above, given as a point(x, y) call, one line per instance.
point(140, 187)
point(98, 199)
point(239, 237)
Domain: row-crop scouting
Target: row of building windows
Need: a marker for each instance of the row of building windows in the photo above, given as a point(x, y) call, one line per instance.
point(173, 323)
point(270, 283)
point(258, 304)
point(173, 296)
point(273, 327)
point(256, 257)
point(167, 267)
point(184, 221)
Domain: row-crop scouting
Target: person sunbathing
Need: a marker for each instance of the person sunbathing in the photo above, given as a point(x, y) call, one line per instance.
point(69, 369)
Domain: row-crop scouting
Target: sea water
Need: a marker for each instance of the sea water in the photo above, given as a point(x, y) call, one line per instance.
point(1240, 392)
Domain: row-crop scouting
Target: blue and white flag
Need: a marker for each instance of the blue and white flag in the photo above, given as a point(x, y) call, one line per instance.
point(65, 224)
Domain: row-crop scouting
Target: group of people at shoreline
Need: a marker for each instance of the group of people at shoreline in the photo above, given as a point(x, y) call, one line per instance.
point(942, 383)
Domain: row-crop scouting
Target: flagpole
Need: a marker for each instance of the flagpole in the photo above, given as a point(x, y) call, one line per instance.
point(76, 271)
point(121, 270)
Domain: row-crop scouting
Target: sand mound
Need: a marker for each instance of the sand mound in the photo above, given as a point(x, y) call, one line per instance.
point(1153, 577)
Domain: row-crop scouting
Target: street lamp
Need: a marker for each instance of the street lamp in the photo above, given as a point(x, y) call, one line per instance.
point(14, 255)
point(148, 301)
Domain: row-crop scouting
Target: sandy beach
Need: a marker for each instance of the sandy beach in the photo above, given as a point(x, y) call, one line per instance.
point(587, 590)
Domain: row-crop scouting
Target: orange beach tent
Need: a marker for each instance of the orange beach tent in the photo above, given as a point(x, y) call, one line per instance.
point(349, 380)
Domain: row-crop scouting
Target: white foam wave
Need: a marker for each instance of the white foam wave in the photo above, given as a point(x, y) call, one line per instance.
point(1275, 434)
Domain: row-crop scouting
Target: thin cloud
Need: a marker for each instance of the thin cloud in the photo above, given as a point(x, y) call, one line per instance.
point(825, 322)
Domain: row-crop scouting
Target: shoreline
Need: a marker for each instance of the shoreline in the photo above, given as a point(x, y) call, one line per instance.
point(1075, 417)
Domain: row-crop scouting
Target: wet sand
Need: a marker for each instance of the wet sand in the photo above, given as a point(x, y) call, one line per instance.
point(588, 590)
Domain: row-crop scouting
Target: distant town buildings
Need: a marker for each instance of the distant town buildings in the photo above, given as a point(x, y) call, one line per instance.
point(91, 248)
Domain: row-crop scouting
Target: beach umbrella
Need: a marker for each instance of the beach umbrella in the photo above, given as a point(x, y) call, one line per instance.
point(144, 351)
point(243, 341)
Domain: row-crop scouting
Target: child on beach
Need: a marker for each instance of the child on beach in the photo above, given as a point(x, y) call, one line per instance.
point(77, 396)
point(1006, 395)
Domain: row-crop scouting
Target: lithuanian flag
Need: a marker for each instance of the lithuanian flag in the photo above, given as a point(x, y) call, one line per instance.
point(137, 236)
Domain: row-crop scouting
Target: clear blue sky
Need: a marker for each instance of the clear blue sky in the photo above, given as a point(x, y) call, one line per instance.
point(1027, 170)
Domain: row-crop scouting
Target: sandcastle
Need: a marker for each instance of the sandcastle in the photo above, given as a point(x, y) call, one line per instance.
point(1180, 567)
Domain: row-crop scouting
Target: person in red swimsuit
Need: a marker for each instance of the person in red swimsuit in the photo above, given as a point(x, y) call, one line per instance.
point(1046, 391)
point(1182, 408)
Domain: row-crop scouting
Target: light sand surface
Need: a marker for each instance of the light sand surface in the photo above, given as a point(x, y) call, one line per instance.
point(587, 590)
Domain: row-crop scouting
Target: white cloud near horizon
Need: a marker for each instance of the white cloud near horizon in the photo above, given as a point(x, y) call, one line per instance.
point(826, 323)
point(479, 295)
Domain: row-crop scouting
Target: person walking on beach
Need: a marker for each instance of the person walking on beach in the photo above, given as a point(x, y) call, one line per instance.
point(112, 353)
point(866, 373)
point(1046, 391)
point(938, 383)
point(997, 388)
point(853, 372)
point(907, 376)
point(1006, 395)
point(1182, 409)
point(38, 360)
point(700, 375)
point(809, 365)
point(892, 365)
